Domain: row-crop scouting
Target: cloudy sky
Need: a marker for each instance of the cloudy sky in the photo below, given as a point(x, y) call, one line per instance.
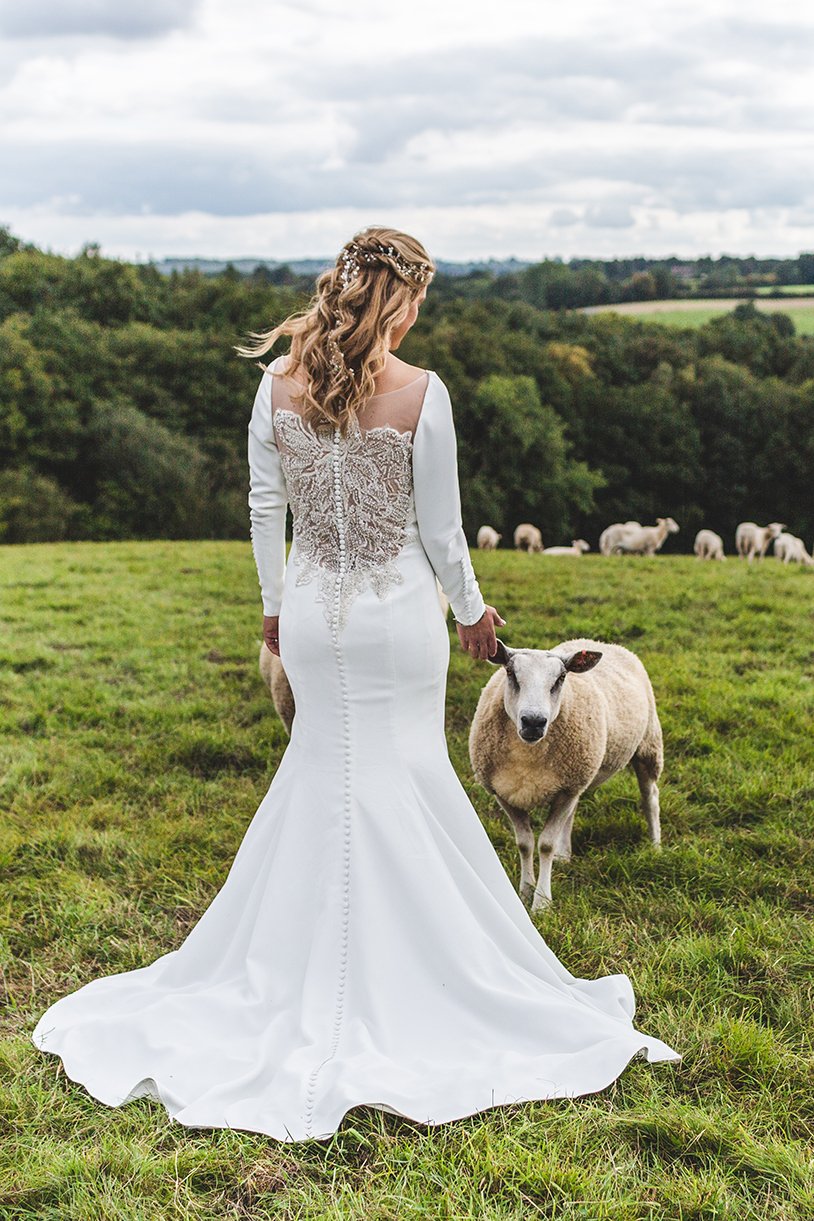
point(513, 127)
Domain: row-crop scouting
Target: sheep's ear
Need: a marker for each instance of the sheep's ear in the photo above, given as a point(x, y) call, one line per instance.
point(579, 662)
point(501, 655)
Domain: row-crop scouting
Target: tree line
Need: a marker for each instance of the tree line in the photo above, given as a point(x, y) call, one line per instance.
point(123, 408)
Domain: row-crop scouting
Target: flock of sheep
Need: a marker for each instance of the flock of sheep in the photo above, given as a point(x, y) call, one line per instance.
point(632, 538)
point(552, 724)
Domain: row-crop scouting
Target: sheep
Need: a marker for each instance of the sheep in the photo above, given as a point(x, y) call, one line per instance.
point(488, 538)
point(752, 540)
point(545, 731)
point(528, 537)
point(610, 534)
point(578, 546)
point(792, 550)
point(645, 540)
point(275, 678)
point(708, 545)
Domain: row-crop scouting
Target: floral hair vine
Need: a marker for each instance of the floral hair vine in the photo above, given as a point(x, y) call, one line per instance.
point(339, 366)
point(350, 264)
point(354, 255)
point(350, 261)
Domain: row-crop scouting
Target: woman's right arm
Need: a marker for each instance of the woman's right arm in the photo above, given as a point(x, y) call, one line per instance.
point(438, 511)
point(268, 500)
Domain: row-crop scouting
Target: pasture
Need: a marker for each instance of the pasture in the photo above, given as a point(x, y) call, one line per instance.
point(137, 742)
point(695, 313)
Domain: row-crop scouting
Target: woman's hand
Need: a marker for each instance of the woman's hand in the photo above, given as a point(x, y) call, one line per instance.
point(271, 633)
point(478, 639)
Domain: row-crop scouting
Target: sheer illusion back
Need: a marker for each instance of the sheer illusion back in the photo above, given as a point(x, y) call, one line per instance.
point(399, 409)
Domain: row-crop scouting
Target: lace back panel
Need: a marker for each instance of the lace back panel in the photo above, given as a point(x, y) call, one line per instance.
point(351, 497)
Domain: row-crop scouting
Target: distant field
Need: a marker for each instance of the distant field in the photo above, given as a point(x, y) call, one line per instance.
point(136, 742)
point(696, 313)
point(792, 289)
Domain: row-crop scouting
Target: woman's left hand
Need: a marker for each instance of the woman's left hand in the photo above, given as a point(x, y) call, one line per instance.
point(271, 633)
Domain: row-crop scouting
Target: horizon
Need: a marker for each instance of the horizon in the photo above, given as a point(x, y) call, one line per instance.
point(440, 258)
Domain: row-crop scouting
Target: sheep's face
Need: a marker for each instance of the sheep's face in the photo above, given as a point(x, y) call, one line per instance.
point(775, 528)
point(534, 683)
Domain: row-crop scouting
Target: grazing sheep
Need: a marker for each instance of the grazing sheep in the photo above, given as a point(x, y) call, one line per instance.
point(645, 540)
point(708, 545)
point(752, 540)
point(488, 538)
point(610, 534)
point(276, 679)
point(578, 546)
point(545, 731)
point(528, 537)
point(792, 550)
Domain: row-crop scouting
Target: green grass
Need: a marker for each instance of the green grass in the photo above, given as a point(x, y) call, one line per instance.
point(137, 743)
point(803, 318)
point(685, 318)
point(786, 290)
point(693, 314)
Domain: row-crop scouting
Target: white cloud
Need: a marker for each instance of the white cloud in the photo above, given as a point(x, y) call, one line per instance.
point(118, 19)
point(265, 130)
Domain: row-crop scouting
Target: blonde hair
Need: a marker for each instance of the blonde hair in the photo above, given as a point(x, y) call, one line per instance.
point(341, 340)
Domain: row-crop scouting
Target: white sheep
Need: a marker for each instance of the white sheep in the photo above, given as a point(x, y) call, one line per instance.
point(792, 550)
point(276, 679)
point(578, 546)
point(752, 540)
point(708, 545)
point(488, 538)
point(549, 727)
point(645, 540)
point(274, 676)
point(610, 534)
point(528, 538)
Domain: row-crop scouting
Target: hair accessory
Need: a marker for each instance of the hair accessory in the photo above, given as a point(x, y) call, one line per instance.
point(339, 365)
point(353, 256)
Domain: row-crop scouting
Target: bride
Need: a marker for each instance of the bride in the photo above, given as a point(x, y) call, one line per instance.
point(366, 947)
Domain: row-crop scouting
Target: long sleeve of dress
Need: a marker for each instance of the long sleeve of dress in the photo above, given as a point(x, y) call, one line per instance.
point(268, 500)
point(438, 505)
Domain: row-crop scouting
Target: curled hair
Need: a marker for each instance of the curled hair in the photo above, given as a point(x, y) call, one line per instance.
point(340, 341)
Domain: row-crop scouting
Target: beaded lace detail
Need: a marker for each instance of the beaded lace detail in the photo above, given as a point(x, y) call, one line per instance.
point(351, 500)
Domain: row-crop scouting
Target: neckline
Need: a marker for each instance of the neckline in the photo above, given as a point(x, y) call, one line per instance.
point(399, 389)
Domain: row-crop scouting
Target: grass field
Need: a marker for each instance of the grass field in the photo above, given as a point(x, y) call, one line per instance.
point(786, 290)
point(693, 314)
point(137, 743)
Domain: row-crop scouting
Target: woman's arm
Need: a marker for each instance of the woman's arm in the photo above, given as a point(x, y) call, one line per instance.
point(438, 510)
point(268, 500)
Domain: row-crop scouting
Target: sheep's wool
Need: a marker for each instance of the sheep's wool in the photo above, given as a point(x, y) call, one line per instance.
point(366, 945)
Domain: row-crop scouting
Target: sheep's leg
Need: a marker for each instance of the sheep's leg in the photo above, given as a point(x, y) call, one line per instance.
point(560, 813)
point(647, 774)
point(524, 836)
point(563, 852)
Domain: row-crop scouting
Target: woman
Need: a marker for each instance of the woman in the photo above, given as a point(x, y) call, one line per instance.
point(367, 946)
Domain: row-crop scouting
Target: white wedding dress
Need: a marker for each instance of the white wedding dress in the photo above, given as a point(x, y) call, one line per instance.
point(367, 946)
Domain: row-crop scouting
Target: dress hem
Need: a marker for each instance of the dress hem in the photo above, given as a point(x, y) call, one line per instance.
point(450, 1114)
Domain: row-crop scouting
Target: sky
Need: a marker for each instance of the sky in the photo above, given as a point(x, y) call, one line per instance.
point(507, 128)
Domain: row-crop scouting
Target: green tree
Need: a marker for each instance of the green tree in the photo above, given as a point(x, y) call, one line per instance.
point(517, 465)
